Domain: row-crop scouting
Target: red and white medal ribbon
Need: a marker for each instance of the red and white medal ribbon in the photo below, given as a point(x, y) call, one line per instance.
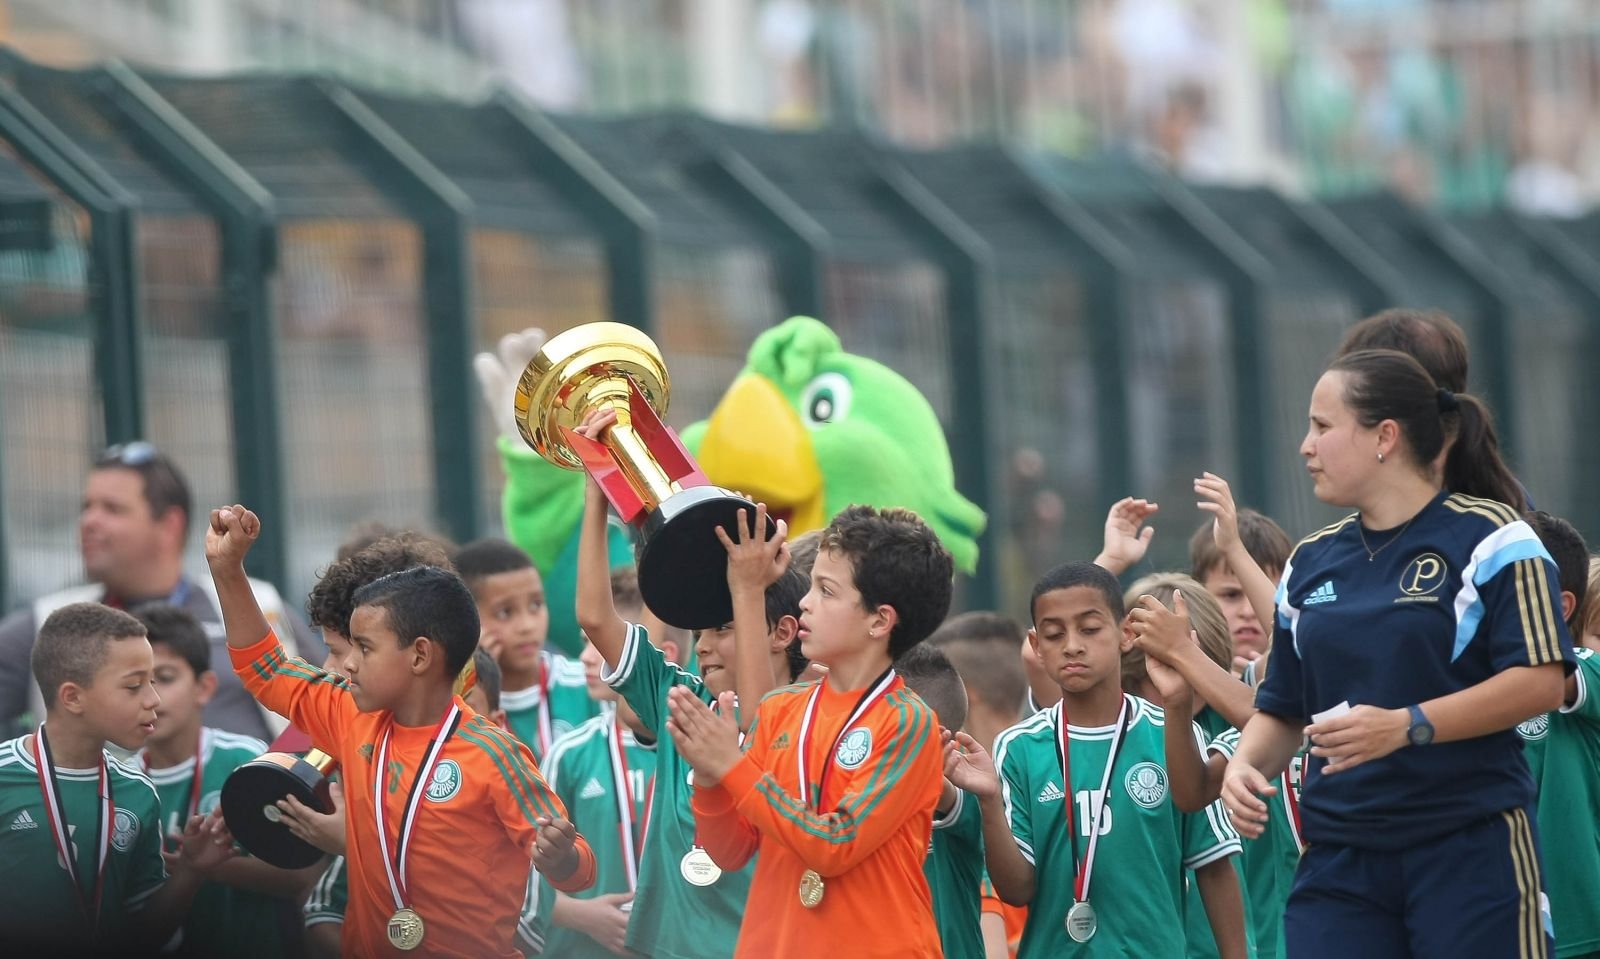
point(1085, 869)
point(632, 841)
point(394, 866)
point(56, 812)
point(874, 692)
point(547, 734)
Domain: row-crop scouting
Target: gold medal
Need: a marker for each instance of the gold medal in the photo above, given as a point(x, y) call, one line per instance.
point(405, 929)
point(698, 869)
point(811, 889)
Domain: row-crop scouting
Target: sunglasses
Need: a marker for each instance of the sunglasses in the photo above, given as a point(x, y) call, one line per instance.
point(137, 453)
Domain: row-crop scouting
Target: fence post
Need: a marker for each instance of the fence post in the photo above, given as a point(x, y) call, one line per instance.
point(965, 258)
point(248, 227)
point(1579, 269)
point(1245, 273)
point(625, 224)
point(113, 269)
point(443, 211)
point(802, 241)
point(1105, 286)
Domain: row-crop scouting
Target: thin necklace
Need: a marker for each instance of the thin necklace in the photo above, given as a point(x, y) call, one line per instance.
point(1373, 553)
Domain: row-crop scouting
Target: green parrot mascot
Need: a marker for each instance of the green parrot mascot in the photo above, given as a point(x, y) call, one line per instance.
point(806, 428)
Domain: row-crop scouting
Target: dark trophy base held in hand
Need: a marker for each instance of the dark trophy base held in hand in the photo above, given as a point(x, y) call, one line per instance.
point(640, 463)
point(250, 804)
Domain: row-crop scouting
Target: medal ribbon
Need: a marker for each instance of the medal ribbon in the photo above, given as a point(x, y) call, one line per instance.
point(194, 785)
point(394, 867)
point(1291, 804)
point(56, 810)
point(1085, 869)
point(546, 729)
point(876, 690)
point(632, 841)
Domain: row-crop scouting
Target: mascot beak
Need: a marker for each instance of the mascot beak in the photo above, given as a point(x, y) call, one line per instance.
point(756, 443)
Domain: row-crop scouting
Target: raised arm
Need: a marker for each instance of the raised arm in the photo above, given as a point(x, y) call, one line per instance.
point(597, 615)
point(232, 532)
point(1259, 589)
point(755, 562)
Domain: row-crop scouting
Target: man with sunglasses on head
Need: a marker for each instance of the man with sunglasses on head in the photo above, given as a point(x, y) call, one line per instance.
point(132, 530)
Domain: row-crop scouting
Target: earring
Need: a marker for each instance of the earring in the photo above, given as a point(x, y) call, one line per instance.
point(1380, 457)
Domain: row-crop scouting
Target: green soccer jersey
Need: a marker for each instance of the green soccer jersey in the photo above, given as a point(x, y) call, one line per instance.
point(1145, 843)
point(1196, 924)
point(1270, 860)
point(954, 868)
point(581, 769)
point(329, 896)
point(570, 705)
point(1563, 750)
point(40, 904)
point(222, 920)
point(673, 919)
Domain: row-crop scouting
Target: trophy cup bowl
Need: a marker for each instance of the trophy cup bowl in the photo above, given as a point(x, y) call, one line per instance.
point(647, 475)
point(249, 804)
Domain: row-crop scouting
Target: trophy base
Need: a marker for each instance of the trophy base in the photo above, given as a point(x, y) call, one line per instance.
point(683, 567)
point(249, 806)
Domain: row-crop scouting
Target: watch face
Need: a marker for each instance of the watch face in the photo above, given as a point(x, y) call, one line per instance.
point(1422, 734)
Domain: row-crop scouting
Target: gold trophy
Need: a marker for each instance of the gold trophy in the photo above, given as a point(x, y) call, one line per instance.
point(640, 463)
point(250, 797)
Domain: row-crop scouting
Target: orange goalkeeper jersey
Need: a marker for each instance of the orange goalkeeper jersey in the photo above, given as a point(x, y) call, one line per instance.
point(866, 834)
point(471, 847)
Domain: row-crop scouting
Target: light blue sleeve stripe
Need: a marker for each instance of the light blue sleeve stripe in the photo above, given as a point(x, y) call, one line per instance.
point(1508, 554)
point(1472, 617)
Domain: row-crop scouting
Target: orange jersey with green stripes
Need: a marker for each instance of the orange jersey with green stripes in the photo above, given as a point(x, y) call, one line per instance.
point(866, 834)
point(471, 847)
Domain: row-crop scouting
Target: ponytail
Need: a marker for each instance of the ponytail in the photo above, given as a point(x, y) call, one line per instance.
point(1389, 385)
point(1474, 466)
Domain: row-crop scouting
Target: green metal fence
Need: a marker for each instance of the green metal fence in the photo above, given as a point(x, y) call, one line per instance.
point(282, 280)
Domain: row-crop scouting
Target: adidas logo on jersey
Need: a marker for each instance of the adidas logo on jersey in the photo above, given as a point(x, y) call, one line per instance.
point(592, 789)
point(1322, 594)
point(782, 742)
point(24, 821)
point(1051, 793)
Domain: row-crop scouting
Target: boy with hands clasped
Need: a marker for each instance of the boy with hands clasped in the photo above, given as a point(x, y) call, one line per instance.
point(839, 782)
point(425, 777)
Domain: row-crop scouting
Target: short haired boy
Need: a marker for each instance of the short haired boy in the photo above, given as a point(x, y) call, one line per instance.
point(1563, 752)
point(82, 831)
point(1079, 822)
point(954, 866)
point(372, 553)
point(839, 782)
point(543, 692)
point(686, 906)
point(413, 755)
point(240, 911)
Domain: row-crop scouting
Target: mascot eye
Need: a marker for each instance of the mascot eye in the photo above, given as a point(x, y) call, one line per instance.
point(826, 399)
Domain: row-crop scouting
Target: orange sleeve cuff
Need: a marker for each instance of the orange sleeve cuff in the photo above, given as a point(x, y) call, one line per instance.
point(991, 905)
point(712, 801)
point(583, 876)
point(243, 658)
point(739, 781)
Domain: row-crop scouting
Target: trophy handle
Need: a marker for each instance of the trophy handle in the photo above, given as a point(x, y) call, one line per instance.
point(600, 464)
point(669, 450)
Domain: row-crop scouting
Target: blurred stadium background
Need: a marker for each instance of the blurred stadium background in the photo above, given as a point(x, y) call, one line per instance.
point(1112, 240)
